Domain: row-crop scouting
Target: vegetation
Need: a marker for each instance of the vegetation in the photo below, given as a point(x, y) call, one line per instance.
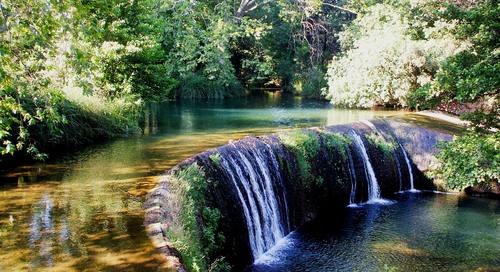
point(336, 142)
point(472, 159)
point(424, 55)
point(195, 231)
point(215, 158)
point(74, 72)
point(305, 146)
point(382, 143)
point(384, 61)
point(59, 83)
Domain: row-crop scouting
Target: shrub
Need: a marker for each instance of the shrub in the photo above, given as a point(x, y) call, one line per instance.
point(38, 123)
point(471, 159)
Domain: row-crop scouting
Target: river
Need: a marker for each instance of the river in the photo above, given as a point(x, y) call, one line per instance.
point(419, 232)
point(84, 211)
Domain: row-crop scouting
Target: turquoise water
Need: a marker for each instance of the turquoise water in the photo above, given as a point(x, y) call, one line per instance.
point(84, 211)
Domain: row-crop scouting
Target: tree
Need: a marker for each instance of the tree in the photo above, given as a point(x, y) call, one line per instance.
point(384, 63)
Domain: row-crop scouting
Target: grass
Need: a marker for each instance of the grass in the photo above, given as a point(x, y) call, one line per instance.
point(48, 122)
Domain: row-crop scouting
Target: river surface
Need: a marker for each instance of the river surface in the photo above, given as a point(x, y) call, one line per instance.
point(84, 211)
point(420, 232)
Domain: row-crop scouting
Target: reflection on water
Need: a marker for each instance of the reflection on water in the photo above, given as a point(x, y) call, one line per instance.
point(418, 233)
point(84, 212)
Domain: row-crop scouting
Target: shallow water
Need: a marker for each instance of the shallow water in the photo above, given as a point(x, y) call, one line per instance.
point(420, 232)
point(84, 211)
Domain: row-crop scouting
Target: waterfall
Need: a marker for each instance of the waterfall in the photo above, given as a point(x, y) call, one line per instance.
point(352, 173)
point(410, 171)
point(396, 158)
point(373, 188)
point(400, 175)
point(265, 215)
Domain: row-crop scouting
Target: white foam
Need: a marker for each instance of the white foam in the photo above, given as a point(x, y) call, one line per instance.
point(274, 254)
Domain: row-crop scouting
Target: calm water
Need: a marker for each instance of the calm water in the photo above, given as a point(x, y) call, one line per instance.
point(84, 212)
point(420, 232)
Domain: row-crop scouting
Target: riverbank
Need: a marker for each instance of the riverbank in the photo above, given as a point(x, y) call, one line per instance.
point(38, 126)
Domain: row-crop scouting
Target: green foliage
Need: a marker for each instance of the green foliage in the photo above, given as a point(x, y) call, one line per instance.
point(382, 143)
point(197, 237)
point(472, 74)
point(383, 63)
point(305, 146)
point(197, 39)
point(219, 265)
point(215, 158)
point(469, 76)
point(423, 98)
point(483, 120)
point(44, 76)
point(336, 142)
point(471, 159)
point(311, 84)
point(281, 42)
point(197, 86)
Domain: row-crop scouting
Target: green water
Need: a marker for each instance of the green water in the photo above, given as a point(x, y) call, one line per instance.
point(84, 212)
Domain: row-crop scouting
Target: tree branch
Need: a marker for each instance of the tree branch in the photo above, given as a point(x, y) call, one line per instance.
point(341, 8)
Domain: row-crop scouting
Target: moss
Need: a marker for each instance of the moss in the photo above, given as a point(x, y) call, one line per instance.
point(215, 158)
point(381, 143)
point(337, 142)
point(305, 146)
point(195, 230)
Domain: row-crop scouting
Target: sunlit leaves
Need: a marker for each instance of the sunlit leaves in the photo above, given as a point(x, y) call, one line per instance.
point(382, 64)
point(470, 160)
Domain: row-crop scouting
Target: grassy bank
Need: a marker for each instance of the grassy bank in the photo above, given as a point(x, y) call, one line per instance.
point(35, 125)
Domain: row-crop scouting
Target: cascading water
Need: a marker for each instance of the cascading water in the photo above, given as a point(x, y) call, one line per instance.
point(373, 187)
point(398, 165)
point(265, 215)
point(352, 173)
point(400, 175)
point(410, 171)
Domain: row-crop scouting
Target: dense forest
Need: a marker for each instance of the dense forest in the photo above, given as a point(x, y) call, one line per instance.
point(74, 72)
